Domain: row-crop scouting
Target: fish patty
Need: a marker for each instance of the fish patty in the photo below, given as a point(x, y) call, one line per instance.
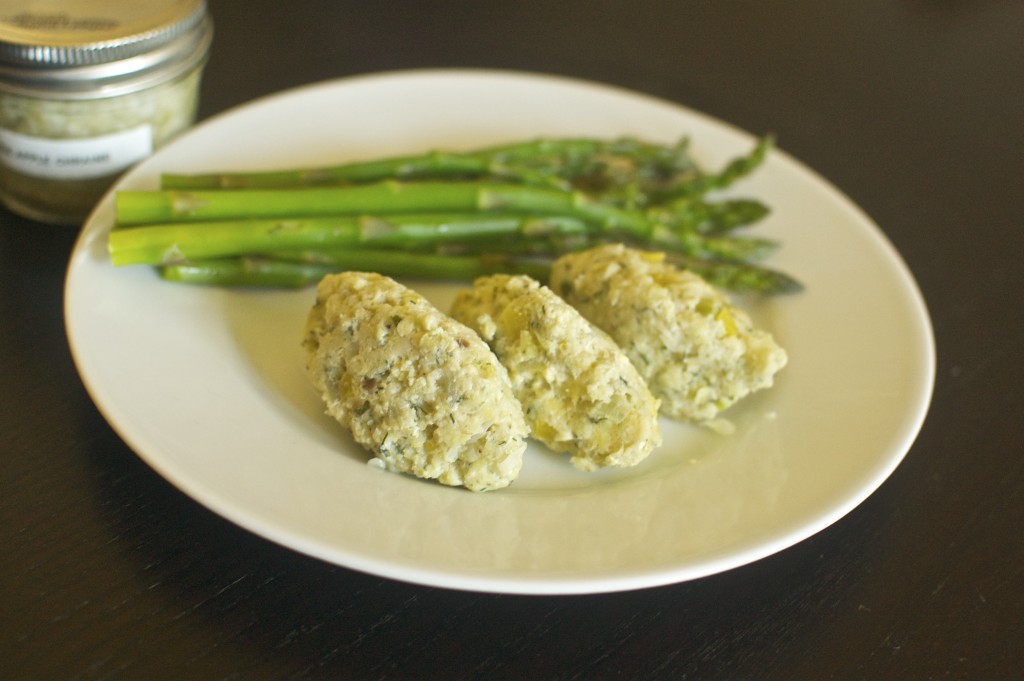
point(579, 392)
point(419, 390)
point(697, 352)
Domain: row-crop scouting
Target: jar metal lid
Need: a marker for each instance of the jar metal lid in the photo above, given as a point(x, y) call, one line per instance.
point(98, 48)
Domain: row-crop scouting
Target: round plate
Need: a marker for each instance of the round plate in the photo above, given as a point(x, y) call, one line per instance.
point(208, 387)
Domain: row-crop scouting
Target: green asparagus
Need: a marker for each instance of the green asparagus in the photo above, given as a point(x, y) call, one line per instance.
point(177, 242)
point(450, 215)
point(271, 272)
point(295, 270)
point(560, 163)
point(387, 197)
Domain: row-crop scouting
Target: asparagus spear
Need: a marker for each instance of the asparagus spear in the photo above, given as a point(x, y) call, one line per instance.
point(706, 217)
point(296, 270)
point(175, 242)
point(246, 271)
point(388, 197)
point(738, 277)
point(271, 272)
point(626, 171)
point(435, 164)
point(733, 171)
point(563, 163)
point(727, 248)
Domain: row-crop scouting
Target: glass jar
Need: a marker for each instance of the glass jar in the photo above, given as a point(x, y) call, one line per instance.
point(87, 89)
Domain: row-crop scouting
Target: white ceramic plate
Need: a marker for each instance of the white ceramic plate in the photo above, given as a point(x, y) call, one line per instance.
point(207, 385)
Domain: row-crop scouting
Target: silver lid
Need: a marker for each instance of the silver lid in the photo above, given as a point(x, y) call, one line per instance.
point(98, 47)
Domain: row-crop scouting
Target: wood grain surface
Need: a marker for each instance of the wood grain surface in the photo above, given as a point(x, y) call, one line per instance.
point(915, 109)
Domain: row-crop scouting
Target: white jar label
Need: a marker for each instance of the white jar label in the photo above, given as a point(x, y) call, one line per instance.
point(75, 159)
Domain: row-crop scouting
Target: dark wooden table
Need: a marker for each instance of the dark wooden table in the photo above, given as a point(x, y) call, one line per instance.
point(914, 109)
